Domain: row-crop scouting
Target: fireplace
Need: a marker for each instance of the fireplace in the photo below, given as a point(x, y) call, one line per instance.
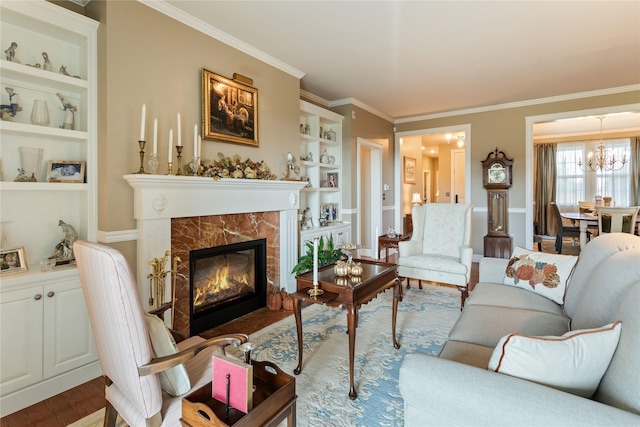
point(226, 282)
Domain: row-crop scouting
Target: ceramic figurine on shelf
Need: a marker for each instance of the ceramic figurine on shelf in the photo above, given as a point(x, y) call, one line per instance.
point(64, 250)
point(13, 107)
point(324, 158)
point(10, 54)
point(47, 64)
point(69, 109)
point(23, 177)
point(307, 220)
point(63, 71)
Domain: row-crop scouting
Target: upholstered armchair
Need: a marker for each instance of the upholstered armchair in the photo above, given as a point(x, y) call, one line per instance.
point(146, 372)
point(440, 247)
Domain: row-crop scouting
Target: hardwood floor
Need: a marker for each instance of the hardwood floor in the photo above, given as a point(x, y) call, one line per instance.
point(72, 405)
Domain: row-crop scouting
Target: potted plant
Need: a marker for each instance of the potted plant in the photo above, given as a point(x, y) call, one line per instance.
point(326, 255)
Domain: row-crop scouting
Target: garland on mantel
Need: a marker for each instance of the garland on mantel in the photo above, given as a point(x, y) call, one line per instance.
point(226, 167)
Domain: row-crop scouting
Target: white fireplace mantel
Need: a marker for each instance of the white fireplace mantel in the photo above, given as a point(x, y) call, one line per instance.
point(158, 198)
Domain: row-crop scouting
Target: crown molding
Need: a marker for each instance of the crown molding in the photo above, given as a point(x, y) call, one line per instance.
point(82, 3)
point(362, 105)
point(517, 104)
point(308, 96)
point(171, 11)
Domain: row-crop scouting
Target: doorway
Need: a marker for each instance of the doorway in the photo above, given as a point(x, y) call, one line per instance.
point(369, 195)
point(441, 182)
point(529, 136)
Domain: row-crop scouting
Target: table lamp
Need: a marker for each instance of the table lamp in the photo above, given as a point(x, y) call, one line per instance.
point(416, 199)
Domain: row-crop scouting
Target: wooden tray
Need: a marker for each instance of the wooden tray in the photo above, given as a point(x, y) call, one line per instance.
point(273, 399)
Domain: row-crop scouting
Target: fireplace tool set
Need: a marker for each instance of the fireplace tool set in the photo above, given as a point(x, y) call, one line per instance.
point(157, 282)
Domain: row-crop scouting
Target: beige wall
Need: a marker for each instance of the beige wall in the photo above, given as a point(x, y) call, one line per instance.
point(368, 126)
point(147, 57)
point(506, 129)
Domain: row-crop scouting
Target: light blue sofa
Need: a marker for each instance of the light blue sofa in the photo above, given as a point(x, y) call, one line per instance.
point(456, 388)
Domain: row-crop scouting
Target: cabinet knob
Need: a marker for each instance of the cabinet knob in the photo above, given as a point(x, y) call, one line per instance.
point(50, 294)
point(37, 297)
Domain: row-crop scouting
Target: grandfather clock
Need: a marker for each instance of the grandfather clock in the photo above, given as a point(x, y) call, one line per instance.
point(496, 178)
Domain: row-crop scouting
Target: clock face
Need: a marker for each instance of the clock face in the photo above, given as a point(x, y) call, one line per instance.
point(497, 174)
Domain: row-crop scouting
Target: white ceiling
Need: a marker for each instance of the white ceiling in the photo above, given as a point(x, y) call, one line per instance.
point(409, 58)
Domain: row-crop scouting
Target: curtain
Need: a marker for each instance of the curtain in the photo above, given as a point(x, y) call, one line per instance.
point(544, 189)
point(635, 171)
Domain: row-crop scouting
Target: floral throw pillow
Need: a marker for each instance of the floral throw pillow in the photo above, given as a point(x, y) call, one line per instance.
point(544, 274)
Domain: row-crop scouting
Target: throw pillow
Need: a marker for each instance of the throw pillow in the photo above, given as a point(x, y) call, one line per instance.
point(174, 381)
point(574, 362)
point(544, 274)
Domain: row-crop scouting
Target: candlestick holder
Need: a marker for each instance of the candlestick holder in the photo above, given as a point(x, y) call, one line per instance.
point(141, 144)
point(170, 168)
point(195, 166)
point(153, 163)
point(179, 150)
point(315, 291)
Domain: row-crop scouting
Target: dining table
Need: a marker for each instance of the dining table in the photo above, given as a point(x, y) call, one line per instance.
point(586, 219)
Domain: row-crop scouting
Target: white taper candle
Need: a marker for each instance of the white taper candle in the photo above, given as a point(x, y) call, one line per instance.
point(179, 131)
point(142, 121)
point(195, 140)
point(155, 136)
point(170, 154)
point(315, 261)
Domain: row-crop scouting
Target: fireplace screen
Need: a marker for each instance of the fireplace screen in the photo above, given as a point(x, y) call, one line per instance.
point(226, 282)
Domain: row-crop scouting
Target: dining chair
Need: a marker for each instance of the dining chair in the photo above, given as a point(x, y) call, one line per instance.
point(563, 230)
point(585, 207)
point(146, 372)
point(617, 219)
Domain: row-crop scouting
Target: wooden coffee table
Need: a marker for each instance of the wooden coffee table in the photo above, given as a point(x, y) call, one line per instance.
point(376, 277)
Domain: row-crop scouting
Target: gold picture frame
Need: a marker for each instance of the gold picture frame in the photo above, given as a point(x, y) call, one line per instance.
point(229, 110)
point(66, 171)
point(12, 261)
point(409, 170)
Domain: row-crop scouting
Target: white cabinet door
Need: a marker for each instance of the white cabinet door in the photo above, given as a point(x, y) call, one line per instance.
point(20, 339)
point(68, 340)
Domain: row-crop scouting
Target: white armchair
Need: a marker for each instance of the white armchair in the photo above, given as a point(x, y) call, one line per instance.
point(440, 246)
point(128, 360)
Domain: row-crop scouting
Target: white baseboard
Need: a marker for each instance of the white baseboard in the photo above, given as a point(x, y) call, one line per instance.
point(45, 389)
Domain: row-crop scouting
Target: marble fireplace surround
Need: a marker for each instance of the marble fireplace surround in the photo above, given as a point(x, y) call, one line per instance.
point(183, 213)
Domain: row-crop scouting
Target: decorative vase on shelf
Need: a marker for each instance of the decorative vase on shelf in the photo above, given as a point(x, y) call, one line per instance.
point(40, 113)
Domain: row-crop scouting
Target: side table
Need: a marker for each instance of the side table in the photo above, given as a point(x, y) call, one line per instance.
point(387, 243)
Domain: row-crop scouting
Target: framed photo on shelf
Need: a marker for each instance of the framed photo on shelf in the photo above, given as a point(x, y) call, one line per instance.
point(229, 110)
point(66, 171)
point(409, 170)
point(330, 180)
point(13, 260)
point(329, 211)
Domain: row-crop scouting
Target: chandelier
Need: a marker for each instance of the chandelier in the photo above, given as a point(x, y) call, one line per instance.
point(603, 159)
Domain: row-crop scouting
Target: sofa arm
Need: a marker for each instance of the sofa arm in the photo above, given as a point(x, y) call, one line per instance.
point(492, 270)
point(442, 392)
point(409, 247)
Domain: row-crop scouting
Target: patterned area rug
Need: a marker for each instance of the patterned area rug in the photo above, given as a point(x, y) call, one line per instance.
point(425, 318)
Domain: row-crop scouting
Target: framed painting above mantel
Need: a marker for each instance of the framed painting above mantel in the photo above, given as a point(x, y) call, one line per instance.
point(229, 110)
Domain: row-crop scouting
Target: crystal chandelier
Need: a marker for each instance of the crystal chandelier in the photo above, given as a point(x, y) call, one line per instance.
point(603, 159)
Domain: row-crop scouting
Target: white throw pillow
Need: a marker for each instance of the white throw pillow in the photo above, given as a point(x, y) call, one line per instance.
point(574, 362)
point(544, 274)
point(174, 381)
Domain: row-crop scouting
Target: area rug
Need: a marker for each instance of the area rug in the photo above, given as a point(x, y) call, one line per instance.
point(425, 318)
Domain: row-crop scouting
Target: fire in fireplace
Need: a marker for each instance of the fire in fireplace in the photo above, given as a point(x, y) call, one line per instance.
point(226, 282)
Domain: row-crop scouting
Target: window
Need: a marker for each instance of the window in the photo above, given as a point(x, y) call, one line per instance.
point(574, 185)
